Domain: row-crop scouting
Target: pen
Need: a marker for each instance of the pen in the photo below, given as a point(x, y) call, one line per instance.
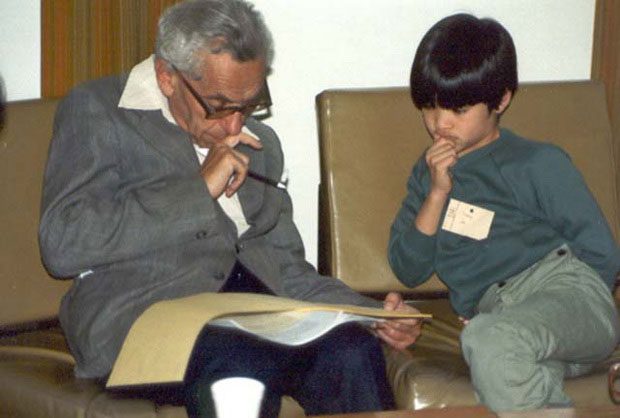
point(267, 180)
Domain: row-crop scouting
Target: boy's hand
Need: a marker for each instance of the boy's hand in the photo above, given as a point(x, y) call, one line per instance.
point(398, 333)
point(440, 157)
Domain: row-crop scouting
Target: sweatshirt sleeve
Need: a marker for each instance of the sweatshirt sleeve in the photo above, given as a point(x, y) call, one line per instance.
point(559, 194)
point(410, 252)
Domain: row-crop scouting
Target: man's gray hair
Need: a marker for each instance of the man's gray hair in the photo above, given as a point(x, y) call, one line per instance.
point(214, 26)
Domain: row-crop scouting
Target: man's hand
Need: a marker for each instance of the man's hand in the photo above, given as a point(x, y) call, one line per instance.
point(398, 333)
point(225, 169)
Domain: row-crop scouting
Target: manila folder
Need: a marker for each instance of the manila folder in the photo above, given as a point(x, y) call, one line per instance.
point(159, 344)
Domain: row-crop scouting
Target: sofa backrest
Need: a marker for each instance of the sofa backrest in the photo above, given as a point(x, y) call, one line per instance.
point(28, 293)
point(370, 139)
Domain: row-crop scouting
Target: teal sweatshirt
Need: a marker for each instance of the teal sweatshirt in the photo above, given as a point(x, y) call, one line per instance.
point(540, 201)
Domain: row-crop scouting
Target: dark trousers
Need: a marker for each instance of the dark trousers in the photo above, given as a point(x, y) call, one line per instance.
point(343, 371)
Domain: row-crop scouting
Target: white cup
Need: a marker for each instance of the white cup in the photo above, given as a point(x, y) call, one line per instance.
point(237, 397)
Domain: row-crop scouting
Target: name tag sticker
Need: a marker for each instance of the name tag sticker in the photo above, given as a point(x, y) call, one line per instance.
point(468, 220)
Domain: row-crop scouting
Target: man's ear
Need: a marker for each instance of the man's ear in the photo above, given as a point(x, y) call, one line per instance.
point(504, 103)
point(164, 77)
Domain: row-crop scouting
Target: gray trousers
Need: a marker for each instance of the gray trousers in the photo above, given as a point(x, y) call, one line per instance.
point(554, 320)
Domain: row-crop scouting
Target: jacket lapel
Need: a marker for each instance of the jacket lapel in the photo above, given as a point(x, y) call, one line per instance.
point(167, 139)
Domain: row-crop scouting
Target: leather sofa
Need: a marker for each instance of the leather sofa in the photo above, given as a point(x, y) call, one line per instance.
point(369, 139)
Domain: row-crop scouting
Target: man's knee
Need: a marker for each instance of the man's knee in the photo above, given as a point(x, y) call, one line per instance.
point(355, 345)
point(348, 373)
point(349, 352)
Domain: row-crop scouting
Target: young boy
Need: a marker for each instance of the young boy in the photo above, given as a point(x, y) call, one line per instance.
point(532, 275)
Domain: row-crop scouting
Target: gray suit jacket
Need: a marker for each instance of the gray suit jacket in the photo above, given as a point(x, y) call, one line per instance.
point(125, 207)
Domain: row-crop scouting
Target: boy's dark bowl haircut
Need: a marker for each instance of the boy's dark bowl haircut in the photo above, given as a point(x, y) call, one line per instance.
point(463, 60)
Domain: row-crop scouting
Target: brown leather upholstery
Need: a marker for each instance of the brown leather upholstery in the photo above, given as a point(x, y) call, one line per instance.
point(369, 141)
point(27, 291)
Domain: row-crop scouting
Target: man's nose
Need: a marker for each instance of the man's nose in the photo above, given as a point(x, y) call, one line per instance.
point(233, 123)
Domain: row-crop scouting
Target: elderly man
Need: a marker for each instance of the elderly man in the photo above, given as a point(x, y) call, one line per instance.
point(150, 193)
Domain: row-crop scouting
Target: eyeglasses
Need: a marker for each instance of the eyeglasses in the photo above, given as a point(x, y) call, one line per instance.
point(259, 109)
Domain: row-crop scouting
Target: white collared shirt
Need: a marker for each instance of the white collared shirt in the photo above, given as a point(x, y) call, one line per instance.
point(142, 93)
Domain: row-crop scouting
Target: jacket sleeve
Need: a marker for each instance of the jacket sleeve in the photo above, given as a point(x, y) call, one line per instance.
point(410, 252)
point(91, 214)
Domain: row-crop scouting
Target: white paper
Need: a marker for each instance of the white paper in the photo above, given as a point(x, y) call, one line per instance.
point(468, 220)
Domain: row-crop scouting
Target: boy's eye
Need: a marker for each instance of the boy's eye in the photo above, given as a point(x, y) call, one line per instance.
point(461, 110)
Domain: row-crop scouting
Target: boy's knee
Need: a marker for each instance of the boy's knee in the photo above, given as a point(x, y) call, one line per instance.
point(503, 364)
point(480, 332)
point(490, 339)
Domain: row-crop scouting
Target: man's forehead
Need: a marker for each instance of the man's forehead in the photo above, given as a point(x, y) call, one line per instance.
point(235, 80)
point(225, 63)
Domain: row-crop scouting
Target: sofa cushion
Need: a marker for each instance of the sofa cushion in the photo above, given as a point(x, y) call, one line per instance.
point(38, 382)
